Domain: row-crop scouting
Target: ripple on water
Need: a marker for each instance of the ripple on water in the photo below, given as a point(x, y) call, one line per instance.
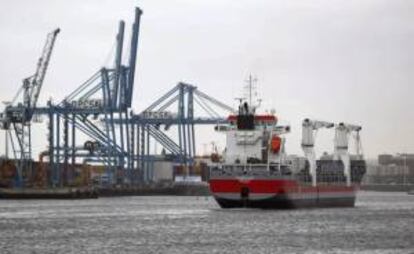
point(381, 223)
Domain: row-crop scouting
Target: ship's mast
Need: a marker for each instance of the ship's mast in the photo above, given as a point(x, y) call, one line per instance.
point(250, 88)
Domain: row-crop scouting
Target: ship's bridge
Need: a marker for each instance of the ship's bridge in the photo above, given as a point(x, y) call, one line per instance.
point(259, 120)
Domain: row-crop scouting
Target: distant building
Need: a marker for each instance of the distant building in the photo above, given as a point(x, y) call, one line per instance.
point(391, 169)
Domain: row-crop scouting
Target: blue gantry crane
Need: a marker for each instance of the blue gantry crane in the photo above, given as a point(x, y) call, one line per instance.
point(18, 114)
point(153, 122)
point(100, 109)
point(108, 94)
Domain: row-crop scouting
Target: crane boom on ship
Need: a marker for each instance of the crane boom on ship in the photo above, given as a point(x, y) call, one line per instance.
point(342, 132)
point(309, 129)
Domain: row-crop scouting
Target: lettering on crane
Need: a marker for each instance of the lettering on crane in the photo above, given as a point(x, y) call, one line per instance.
point(87, 104)
point(158, 115)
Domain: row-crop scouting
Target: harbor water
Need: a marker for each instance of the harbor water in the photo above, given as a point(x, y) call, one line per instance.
point(381, 222)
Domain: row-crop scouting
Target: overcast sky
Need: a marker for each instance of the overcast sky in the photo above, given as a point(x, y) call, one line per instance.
point(336, 60)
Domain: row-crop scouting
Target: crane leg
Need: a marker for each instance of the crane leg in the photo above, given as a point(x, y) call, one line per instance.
point(347, 167)
point(310, 156)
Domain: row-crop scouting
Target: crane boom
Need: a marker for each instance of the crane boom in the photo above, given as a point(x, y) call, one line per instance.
point(35, 82)
point(342, 131)
point(309, 129)
point(17, 119)
point(21, 108)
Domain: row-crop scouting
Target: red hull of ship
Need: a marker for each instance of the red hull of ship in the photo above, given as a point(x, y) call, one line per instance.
point(279, 194)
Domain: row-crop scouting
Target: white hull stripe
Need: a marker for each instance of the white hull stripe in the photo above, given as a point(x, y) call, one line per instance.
point(252, 196)
point(292, 196)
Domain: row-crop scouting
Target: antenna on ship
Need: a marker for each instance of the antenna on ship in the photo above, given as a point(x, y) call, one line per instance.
point(251, 88)
point(240, 99)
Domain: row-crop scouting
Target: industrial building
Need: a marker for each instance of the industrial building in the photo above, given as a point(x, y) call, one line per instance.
point(391, 169)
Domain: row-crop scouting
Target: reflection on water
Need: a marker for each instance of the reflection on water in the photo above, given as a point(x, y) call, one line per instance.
point(381, 223)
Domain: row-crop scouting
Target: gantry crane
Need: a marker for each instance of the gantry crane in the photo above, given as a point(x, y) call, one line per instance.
point(146, 126)
point(106, 94)
point(342, 132)
point(16, 118)
point(309, 129)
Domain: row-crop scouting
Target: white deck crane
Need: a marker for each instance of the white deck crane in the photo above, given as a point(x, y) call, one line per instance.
point(342, 132)
point(309, 129)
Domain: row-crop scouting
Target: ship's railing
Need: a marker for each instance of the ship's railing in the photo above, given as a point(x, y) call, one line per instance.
point(250, 170)
point(322, 178)
point(327, 179)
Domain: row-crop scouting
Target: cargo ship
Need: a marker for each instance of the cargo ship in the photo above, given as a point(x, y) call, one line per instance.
point(255, 171)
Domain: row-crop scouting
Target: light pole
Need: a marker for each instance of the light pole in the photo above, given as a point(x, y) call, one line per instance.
point(404, 167)
point(6, 132)
point(7, 143)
